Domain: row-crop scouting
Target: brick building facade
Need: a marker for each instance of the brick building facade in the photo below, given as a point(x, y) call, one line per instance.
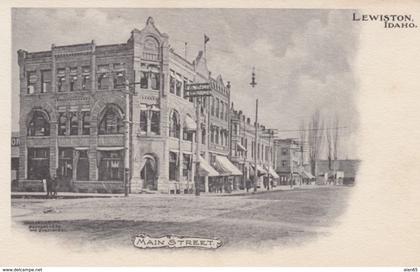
point(72, 116)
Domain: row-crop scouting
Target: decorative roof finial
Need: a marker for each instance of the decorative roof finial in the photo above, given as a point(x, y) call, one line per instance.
point(150, 21)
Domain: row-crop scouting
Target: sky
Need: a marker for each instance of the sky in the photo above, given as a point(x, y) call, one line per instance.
point(303, 58)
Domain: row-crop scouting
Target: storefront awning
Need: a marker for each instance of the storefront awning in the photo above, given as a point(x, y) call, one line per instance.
point(206, 169)
point(109, 148)
point(240, 147)
point(273, 173)
point(260, 169)
point(308, 175)
point(189, 124)
point(225, 167)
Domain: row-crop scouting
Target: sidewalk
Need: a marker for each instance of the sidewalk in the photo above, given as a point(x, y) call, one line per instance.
point(69, 195)
point(62, 195)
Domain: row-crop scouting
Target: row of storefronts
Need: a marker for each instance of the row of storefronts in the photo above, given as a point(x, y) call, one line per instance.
point(76, 122)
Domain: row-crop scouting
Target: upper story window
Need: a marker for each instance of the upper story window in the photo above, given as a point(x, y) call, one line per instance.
point(61, 80)
point(172, 82)
point(86, 81)
point(118, 75)
point(73, 79)
point(212, 106)
point(46, 81)
point(217, 107)
point(31, 79)
point(178, 85)
point(174, 125)
point(111, 122)
point(39, 124)
point(74, 123)
point(85, 116)
point(151, 49)
point(284, 151)
point(103, 77)
point(62, 123)
point(222, 109)
point(150, 76)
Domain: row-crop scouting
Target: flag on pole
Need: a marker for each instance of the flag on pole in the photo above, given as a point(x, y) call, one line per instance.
point(206, 39)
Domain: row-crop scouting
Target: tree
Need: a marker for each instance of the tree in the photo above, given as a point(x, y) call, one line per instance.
point(315, 140)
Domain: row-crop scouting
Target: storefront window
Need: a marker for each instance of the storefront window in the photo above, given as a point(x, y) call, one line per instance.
point(111, 165)
point(38, 163)
point(173, 166)
point(82, 165)
point(186, 166)
point(65, 163)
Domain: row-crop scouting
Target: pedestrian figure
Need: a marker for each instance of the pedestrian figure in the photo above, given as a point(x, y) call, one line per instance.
point(49, 184)
point(54, 185)
point(248, 184)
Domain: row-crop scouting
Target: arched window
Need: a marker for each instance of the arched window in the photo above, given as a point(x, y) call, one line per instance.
point(174, 125)
point(39, 124)
point(111, 122)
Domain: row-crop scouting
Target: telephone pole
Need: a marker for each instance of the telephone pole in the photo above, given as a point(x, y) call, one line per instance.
point(253, 84)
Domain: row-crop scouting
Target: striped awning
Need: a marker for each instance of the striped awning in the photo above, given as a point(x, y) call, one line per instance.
point(225, 167)
point(189, 123)
point(206, 169)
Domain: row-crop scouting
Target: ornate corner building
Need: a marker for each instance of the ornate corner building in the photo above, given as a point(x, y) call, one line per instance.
point(73, 117)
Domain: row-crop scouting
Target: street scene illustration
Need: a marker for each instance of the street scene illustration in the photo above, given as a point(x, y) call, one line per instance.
point(198, 128)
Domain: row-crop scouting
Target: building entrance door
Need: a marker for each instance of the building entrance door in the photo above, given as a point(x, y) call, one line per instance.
point(149, 173)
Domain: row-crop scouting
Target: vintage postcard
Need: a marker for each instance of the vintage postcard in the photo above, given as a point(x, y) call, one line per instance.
point(252, 134)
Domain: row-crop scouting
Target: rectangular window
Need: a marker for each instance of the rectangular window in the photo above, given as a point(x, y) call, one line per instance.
point(86, 78)
point(119, 80)
point(185, 82)
point(143, 80)
point(74, 123)
point(31, 80)
point(86, 122)
point(217, 107)
point(82, 165)
point(172, 82)
point(65, 163)
point(212, 106)
point(62, 123)
point(38, 163)
point(188, 135)
point(173, 166)
point(155, 122)
point(111, 166)
point(284, 163)
point(73, 79)
point(103, 77)
point(217, 136)
point(46, 81)
point(186, 166)
point(178, 85)
point(154, 77)
point(143, 122)
point(222, 110)
point(284, 151)
point(61, 80)
point(203, 136)
point(212, 135)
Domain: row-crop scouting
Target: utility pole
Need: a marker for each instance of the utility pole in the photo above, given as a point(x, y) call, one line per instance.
point(127, 137)
point(197, 90)
point(198, 143)
point(253, 84)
